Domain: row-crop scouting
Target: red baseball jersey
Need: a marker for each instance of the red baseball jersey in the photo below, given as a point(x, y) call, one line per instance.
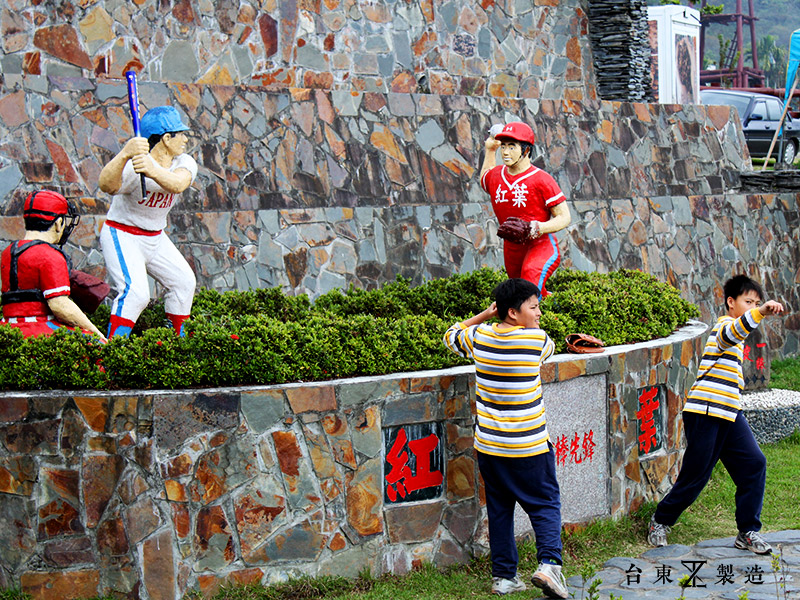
point(41, 267)
point(529, 195)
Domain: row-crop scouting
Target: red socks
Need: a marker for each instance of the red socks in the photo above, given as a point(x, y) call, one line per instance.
point(177, 322)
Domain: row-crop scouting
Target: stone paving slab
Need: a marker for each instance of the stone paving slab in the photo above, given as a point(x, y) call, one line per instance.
point(722, 572)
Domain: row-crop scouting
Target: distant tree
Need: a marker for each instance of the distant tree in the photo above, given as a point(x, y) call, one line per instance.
point(772, 59)
point(712, 9)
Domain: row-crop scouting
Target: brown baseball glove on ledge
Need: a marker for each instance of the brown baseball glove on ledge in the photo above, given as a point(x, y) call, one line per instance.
point(583, 343)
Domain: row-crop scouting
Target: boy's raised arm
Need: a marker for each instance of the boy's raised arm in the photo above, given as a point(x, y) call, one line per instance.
point(770, 307)
point(735, 331)
point(481, 316)
point(457, 339)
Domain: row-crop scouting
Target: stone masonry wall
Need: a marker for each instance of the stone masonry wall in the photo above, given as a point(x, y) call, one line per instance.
point(150, 494)
point(312, 190)
point(501, 48)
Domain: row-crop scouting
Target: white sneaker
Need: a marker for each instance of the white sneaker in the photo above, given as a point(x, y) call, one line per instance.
point(549, 578)
point(502, 586)
point(657, 533)
point(752, 540)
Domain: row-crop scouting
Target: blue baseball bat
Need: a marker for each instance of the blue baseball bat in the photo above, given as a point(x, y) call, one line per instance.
point(133, 103)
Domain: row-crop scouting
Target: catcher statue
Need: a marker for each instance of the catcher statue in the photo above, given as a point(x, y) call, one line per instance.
point(527, 202)
point(35, 271)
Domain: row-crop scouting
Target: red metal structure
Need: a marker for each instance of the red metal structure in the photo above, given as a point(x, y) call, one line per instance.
point(729, 74)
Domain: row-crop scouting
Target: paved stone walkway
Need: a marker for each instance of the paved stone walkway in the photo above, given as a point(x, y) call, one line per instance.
point(724, 572)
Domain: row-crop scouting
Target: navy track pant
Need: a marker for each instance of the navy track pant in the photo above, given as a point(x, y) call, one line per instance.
point(710, 439)
point(532, 483)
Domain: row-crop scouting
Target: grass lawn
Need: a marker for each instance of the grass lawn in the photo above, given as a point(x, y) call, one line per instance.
point(585, 550)
point(758, 163)
point(785, 374)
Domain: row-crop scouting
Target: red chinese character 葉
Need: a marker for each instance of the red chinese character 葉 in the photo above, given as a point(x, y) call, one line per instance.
point(648, 403)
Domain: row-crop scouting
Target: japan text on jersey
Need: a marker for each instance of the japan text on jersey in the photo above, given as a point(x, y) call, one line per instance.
point(158, 200)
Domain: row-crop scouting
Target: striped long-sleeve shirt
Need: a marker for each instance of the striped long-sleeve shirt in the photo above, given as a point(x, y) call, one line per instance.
point(719, 384)
point(510, 413)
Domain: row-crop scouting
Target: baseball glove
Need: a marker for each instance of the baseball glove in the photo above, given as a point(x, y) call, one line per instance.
point(583, 343)
point(515, 230)
point(87, 291)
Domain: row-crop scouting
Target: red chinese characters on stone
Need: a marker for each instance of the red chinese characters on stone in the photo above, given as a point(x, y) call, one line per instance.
point(760, 360)
point(575, 449)
point(648, 404)
point(400, 479)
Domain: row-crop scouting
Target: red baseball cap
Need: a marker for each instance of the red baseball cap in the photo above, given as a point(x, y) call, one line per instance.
point(516, 131)
point(45, 204)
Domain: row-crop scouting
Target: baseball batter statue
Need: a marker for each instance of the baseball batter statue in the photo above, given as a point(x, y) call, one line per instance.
point(527, 202)
point(133, 240)
point(35, 271)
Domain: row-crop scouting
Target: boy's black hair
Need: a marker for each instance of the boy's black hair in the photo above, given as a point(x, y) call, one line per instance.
point(738, 285)
point(511, 293)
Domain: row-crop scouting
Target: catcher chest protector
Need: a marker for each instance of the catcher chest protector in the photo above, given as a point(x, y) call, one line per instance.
point(14, 294)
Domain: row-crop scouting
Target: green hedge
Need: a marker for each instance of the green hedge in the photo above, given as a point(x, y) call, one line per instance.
point(266, 337)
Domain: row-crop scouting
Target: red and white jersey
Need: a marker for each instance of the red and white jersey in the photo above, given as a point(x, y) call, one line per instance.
point(128, 206)
point(529, 195)
point(41, 267)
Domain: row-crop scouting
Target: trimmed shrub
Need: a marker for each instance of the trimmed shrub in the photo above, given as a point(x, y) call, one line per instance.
point(622, 307)
point(265, 337)
point(66, 359)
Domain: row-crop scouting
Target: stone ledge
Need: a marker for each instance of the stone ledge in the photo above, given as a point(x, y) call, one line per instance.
point(770, 181)
point(773, 424)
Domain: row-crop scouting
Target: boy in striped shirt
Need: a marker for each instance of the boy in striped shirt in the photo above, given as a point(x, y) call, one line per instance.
point(515, 458)
point(715, 426)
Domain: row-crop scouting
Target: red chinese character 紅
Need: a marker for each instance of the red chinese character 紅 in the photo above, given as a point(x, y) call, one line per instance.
point(401, 481)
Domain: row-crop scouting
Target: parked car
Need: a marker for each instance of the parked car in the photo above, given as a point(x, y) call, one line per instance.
point(760, 115)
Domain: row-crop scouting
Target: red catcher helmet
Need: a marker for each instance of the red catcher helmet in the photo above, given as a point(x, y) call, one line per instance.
point(47, 205)
point(517, 132)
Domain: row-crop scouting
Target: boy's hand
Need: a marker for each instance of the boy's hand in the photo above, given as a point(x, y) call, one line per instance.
point(770, 307)
point(481, 317)
point(491, 144)
point(136, 146)
point(144, 164)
